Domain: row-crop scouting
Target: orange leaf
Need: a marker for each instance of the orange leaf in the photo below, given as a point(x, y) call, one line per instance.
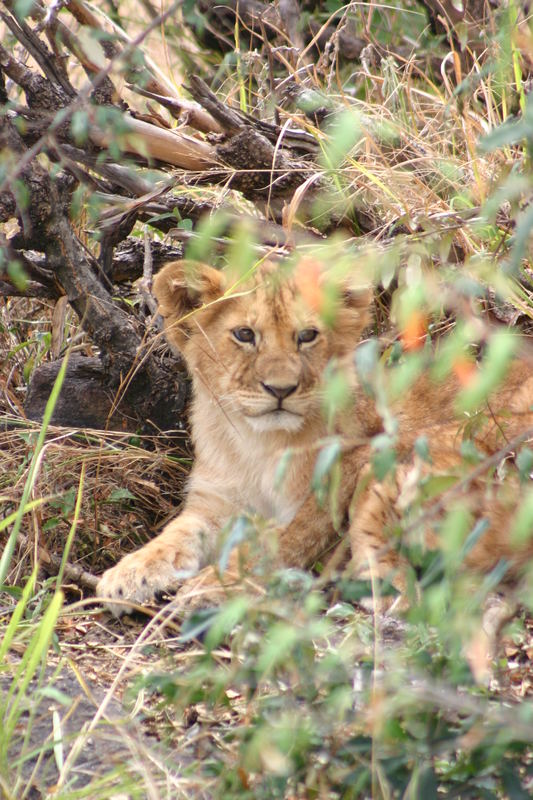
point(414, 331)
point(309, 280)
point(464, 369)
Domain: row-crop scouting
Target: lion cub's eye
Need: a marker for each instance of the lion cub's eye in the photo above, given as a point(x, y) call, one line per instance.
point(307, 335)
point(244, 335)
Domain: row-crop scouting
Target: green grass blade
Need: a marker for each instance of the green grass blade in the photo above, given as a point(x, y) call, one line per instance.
point(5, 560)
point(73, 527)
point(35, 652)
point(5, 523)
point(16, 617)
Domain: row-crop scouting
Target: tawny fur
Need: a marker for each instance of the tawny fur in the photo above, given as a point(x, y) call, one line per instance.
point(241, 430)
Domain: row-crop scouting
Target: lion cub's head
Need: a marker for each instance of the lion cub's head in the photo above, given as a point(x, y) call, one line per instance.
point(258, 349)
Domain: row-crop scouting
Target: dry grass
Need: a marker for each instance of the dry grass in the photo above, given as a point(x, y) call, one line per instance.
point(130, 488)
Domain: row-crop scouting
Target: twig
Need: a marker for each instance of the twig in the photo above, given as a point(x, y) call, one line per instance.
point(443, 502)
point(196, 117)
point(29, 289)
point(65, 113)
point(52, 563)
point(145, 284)
point(39, 51)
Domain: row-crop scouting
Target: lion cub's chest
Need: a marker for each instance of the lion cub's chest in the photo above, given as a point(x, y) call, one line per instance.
point(269, 492)
point(249, 471)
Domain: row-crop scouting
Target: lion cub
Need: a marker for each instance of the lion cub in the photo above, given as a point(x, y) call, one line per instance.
point(257, 355)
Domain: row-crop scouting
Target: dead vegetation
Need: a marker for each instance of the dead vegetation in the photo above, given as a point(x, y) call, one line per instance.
point(128, 138)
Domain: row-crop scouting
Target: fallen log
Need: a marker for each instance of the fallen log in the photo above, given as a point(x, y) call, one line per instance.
point(89, 400)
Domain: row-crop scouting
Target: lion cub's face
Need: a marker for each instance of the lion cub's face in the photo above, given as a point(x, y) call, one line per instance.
point(261, 350)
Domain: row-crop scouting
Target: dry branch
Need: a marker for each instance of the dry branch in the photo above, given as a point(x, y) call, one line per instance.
point(130, 368)
point(51, 563)
point(154, 84)
point(149, 141)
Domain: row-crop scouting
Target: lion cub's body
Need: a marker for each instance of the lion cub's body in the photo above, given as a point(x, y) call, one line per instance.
point(257, 358)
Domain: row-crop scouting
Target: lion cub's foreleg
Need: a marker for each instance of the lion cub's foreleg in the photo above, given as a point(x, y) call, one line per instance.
point(163, 564)
point(374, 554)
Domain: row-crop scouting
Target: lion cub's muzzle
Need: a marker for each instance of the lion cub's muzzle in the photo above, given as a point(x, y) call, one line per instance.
point(279, 392)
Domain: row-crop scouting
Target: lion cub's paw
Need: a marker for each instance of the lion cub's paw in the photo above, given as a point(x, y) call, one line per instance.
point(138, 578)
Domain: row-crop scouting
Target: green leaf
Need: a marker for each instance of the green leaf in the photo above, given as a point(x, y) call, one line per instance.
point(434, 571)
point(16, 617)
point(79, 128)
point(22, 193)
point(473, 537)
point(239, 532)
point(117, 495)
point(403, 375)
point(512, 783)
point(51, 523)
point(336, 394)
point(7, 521)
point(500, 349)
point(383, 462)
point(354, 590)
point(17, 274)
point(453, 534)
point(309, 100)
point(225, 621)
point(520, 240)
point(423, 785)
point(278, 646)
point(470, 453)
point(173, 215)
point(422, 449)
point(52, 693)
point(511, 132)
point(22, 8)
point(327, 457)
point(524, 462)
point(33, 655)
point(281, 468)
point(383, 456)
point(522, 527)
point(241, 252)
point(197, 624)
point(344, 132)
point(495, 576)
point(366, 358)
point(202, 246)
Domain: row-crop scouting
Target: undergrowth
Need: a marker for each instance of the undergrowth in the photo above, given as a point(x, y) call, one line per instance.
point(295, 690)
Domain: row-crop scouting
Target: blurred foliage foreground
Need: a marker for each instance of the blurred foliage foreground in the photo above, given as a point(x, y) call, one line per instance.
point(397, 139)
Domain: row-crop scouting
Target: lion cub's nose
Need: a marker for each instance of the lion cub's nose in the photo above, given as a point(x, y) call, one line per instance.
point(281, 392)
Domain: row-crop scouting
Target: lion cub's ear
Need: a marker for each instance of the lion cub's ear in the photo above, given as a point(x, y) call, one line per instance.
point(180, 288)
point(357, 298)
point(352, 317)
